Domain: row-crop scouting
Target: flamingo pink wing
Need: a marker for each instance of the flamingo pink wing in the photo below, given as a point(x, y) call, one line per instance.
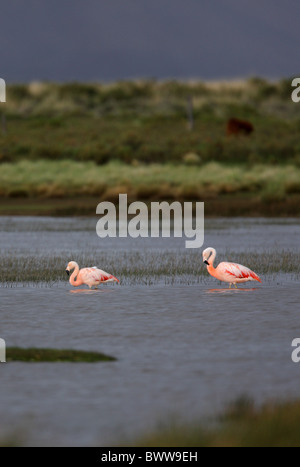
point(95, 276)
point(105, 276)
point(239, 272)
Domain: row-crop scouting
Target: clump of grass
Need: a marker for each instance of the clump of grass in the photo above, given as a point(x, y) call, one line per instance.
point(37, 355)
point(67, 179)
point(191, 158)
point(14, 439)
point(241, 425)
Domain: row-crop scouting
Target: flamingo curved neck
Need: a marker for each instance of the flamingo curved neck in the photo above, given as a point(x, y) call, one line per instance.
point(212, 258)
point(210, 266)
point(73, 279)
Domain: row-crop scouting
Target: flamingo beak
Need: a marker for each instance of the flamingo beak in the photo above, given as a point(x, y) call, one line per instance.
point(206, 262)
point(68, 272)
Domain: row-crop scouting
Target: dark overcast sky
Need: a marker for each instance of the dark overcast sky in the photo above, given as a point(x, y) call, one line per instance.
point(102, 40)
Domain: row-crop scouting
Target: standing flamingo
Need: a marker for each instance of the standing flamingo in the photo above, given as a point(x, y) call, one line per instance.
point(89, 276)
point(228, 272)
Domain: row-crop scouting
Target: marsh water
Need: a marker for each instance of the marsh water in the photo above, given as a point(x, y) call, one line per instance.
point(183, 351)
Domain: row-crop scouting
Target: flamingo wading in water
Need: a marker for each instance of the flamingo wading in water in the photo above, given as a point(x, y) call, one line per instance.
point(89, 276)
point(227, 272)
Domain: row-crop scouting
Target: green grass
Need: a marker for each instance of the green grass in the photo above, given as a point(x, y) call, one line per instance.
point(37, 355)
point(67, 179)
point(241, 425)
point(76, 144)
point(146, 122)
point(145, 268)
point(156, 140)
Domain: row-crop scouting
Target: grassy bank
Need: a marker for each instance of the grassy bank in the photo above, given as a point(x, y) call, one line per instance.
point(66, 187)
point(147, 121)
point(66, 147)
point(241, 425)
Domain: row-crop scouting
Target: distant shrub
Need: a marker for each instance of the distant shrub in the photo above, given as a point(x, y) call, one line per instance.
point(285, 88)
point(191, 158)
point(83, 95)
point(18, 92)
point(147, 122)
point(126, 91)
point(47, 152)
point(56, 122)
point(22, 149)
point(292, 187)
point(183, 90)
point(77, 90)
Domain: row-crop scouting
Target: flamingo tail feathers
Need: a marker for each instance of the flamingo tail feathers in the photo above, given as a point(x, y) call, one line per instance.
point(109, 278)
point(255, 276)
point(113, 278)
point(241, 272)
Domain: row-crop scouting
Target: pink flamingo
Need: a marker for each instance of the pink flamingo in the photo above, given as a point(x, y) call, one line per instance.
point(228, 272)
point(89, 276)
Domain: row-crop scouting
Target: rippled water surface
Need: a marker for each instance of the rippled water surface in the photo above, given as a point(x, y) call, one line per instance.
point(182, 350)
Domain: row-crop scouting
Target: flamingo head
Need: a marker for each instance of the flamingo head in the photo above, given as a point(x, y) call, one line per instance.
point(207, 254)
point(72, 265)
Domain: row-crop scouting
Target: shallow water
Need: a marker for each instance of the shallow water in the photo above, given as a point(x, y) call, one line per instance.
point(183, 351)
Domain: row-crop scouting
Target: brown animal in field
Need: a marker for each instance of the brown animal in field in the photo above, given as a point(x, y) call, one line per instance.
point(239, 127)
